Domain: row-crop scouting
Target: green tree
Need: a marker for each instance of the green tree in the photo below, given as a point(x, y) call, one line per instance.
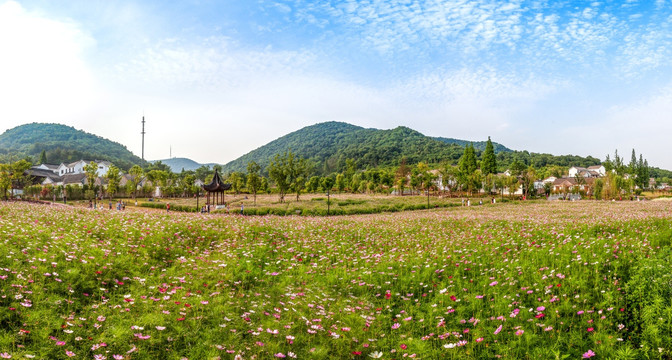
point(467, 167)
point(313, 184)
point(253, 179)
point(264, 186)
point(340, 182)
point(401, 175)
point(280, 171)
point(327, 183)
point(202, 172)
point(43, 157)
point(237, 181)
point(489, 160)
point(135, 178)
point(5, 179)
point(632, 166)
point(449, 177)
point(187, 184)
point(91, 171)
point(598, 186)
point(512, 184)
point(113, 177)
point(299, 172)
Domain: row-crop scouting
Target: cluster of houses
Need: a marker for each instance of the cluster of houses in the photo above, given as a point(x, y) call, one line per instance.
point(578, 180)
point(74, 174)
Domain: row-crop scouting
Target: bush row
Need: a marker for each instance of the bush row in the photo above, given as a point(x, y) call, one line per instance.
point(180, 208)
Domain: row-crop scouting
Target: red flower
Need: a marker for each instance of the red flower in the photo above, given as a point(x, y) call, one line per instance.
point(356, 353)
point(590, 329)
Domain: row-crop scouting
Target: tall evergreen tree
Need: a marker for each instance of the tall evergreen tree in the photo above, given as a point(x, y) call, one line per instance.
point(632, 166)
point(489, 161)
point(466, 168)
point(467, 164)
point(43, 157)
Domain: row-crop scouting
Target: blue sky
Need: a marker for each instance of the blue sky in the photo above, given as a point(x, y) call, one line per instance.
point(217, 79)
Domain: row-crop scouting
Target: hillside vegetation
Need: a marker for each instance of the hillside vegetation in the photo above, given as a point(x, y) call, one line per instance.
point(329, 145)
point(62, 143)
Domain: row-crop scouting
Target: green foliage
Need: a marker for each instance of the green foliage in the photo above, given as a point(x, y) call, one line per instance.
point(62, 143)
point(113, 177)
point(489, 161)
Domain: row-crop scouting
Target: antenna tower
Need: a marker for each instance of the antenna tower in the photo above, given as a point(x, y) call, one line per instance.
point(143, 137)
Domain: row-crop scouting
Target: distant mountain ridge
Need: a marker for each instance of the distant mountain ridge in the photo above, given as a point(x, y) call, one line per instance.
point(63, 143)
point(176, 165)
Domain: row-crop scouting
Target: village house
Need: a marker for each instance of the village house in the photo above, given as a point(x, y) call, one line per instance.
point(66, 174)
point(567, 185)
point(589, 172)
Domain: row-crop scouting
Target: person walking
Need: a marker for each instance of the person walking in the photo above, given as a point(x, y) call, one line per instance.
point(167, 207)
point(242, 209)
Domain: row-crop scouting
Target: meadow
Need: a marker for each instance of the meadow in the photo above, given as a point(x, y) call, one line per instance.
point(551, 280)
point(316, 204)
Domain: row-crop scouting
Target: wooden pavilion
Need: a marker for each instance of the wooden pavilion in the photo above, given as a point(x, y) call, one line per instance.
point(216, 190)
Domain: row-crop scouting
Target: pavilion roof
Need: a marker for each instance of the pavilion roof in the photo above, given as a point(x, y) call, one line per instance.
point(217, 185)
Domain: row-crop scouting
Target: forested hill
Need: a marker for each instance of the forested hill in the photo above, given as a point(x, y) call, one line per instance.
point(62, 144)
point(329, 145)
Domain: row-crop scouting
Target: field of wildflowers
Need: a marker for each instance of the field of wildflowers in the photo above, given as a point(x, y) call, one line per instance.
point(525, 281)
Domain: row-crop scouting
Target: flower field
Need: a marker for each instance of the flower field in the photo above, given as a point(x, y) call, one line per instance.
point(564, 280)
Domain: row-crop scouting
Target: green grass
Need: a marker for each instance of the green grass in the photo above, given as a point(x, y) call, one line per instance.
point(560, 279)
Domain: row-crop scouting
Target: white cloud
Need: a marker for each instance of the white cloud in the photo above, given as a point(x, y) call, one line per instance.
point(44, 76)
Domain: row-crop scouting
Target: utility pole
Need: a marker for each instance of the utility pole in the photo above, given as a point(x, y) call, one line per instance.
point(143, 137)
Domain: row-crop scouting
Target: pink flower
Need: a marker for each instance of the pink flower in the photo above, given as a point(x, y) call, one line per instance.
point(69, 353)
point(498, 330)
point(494, 283)
point(520, 332)
point(588, 354)
point(590, 329)
point(580, 312)
point(5, 355)
point(403, 346)
point(396, 326)
point(280, 355)
point(479, 339)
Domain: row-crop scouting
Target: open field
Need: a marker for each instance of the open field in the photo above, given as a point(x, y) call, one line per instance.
point(530, 280)
point(316, 204)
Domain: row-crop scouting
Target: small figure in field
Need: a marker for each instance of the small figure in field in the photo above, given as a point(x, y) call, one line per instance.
point(167, 207)
point(480, 202)
point(242, 208)
point(110, 205)
point(90, 204)
point(468, 202)
point(123, 206)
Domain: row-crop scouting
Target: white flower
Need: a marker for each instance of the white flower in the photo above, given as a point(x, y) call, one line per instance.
point(449, 346)
point(376, 354)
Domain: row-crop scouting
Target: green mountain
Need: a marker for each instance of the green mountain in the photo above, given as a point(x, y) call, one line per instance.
point(62, 144)
point(329, 145)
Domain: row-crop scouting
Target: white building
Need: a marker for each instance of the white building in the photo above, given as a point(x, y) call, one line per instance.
point(77, 167)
